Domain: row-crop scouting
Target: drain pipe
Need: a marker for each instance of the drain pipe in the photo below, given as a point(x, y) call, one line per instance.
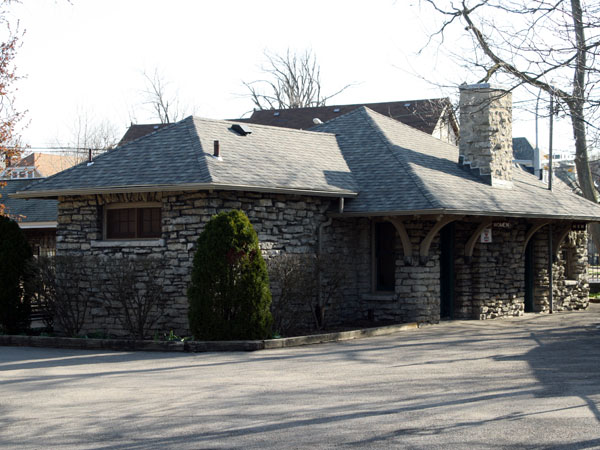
point(319, 267)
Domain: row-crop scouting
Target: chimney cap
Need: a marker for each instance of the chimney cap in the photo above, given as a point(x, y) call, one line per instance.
point(483, 86)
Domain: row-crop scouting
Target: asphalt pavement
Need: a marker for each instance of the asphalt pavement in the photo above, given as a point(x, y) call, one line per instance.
point(531, 382)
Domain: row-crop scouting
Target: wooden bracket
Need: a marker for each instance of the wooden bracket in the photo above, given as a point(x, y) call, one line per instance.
point(534, 228)
point(406, 244)
point(441, 223)
point(473, 239)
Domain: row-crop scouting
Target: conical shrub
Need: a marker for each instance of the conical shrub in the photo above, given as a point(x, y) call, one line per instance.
point(229, 296)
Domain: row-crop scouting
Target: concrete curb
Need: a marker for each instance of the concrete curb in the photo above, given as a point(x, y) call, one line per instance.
point(339, 336)
point(198, 346)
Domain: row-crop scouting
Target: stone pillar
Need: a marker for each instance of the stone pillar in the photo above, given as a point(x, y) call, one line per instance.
point(485, 144)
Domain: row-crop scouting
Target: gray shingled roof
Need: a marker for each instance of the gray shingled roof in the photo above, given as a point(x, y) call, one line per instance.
point(179, 156)
point(27, 211)
point(394, 168)
point(402, 170)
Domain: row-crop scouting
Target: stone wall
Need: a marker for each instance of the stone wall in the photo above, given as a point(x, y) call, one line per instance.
point(570, 287)
point(284, 223)
point(417, 292)
point(486, 132)
point(492, 284)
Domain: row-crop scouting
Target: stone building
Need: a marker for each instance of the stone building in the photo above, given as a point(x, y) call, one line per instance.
point(421, 229)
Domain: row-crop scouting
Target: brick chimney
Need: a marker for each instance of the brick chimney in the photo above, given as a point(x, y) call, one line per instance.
point(485, 145)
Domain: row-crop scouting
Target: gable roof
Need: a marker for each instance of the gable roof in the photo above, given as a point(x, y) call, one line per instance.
point(179, 157)
point(400, 170)
point(423, 115)
point(27, 212)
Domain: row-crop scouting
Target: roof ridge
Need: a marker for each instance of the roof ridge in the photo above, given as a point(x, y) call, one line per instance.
point(102, 155)
point(354, 111)
point(408, 126)
point(165, 127)
point(196, 146)
point(401, 160)
point(251, 124)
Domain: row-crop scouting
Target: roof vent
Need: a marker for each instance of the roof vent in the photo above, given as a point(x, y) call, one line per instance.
point(241, 129)
point(406, 105)
point(317, 121)
point(156, 127)
point(276, 113)
point(336, 110)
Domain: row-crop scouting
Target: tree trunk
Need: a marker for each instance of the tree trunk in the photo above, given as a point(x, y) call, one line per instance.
point(576, 106)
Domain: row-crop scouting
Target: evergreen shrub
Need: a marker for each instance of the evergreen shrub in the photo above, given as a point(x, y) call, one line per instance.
point(229, 296)
point(15, 257)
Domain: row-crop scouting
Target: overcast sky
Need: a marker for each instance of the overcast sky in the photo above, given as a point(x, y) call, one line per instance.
point(88, 56)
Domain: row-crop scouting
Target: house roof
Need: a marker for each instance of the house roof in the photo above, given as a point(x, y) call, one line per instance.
point(522, 149)
point(31, 211)
point(423, 115)
point(383, 166)
point(136, 131)
point(400, 170)
point(179, 157)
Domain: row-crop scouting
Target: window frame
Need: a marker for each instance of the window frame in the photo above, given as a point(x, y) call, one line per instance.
point(136, 206)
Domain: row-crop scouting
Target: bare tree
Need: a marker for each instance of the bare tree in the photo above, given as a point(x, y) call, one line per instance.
point(10, 117)
point(293, 81)
point(552, 45)
point(165, 106)
point(88, 133)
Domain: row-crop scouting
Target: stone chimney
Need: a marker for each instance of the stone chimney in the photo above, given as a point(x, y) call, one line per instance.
point(485, 145)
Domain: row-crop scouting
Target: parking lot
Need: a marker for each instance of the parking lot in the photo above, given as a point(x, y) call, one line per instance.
point(530, 382)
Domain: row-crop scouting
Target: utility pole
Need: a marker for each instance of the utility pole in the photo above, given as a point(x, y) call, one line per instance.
point(550, 252)
point(550, 157)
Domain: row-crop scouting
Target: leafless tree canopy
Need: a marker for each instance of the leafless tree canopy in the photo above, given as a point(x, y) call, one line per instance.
point(88, 133)
point(551, 45)
point(165, 106)
point(292, 80)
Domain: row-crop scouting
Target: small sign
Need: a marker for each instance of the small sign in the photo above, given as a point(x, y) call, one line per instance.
point(486, 236)
point(501, 224)
point(579, 226)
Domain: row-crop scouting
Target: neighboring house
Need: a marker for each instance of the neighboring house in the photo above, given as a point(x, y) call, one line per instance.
point(37, 165)
point(432, 116)
point(525, 155)
point(136, 131)
point(422, 229)
point(36, 217)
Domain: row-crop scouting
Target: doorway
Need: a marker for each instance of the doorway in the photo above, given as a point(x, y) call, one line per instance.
point(447, 271)
point(529, 276)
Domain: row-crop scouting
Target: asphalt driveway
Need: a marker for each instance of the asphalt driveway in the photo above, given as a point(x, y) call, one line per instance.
point(531, 382)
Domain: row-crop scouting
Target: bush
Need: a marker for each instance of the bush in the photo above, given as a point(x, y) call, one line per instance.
point(229, 296)
point(294, 286)
point(15, 255)
point(134, 293)
point(61, 288)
